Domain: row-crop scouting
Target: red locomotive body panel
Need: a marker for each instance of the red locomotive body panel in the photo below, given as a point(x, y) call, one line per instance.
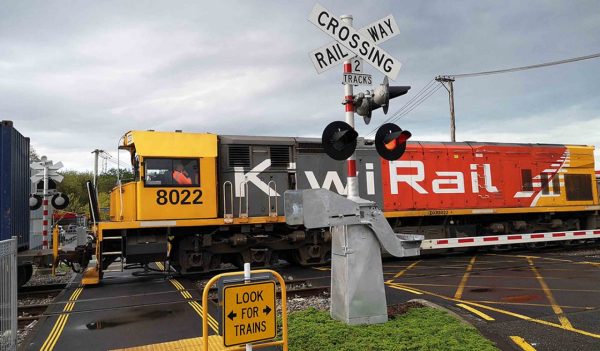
point(469, 176)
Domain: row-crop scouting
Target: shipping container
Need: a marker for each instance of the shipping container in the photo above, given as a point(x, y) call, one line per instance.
point(14, 185)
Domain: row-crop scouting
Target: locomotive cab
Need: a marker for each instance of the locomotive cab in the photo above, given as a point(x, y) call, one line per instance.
point(175, 177)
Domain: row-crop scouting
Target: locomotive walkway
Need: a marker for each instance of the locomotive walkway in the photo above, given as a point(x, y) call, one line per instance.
point(520, 300)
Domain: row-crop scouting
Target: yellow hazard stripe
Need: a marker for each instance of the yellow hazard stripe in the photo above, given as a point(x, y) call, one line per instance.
point(212, 322)
point(463, 281)
point(522, 343)
point(397, 287)
point(59, 326)
point(555, 307)
point(399, 274)
point(475, 311)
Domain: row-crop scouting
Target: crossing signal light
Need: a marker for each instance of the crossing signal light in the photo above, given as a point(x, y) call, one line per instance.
point(364, 104)
point(35, 202)
point(60, 201)
point(339, 140)
point(390, 141)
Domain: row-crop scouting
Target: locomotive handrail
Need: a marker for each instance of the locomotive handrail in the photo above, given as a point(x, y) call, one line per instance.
point(228, 217)
point(274, 188)
point(244, 186)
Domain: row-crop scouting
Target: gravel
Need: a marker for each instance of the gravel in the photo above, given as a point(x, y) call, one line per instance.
point(586, 252)
point(296, 303)
point(44, 277)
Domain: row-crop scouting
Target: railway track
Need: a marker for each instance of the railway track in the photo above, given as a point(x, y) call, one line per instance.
point(33, 301)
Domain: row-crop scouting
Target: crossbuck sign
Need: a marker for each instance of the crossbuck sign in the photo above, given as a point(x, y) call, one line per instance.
point(361, 43)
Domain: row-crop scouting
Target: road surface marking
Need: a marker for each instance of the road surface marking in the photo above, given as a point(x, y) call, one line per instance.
point(399, 274)
point(522, 343)
point(475, 311)
point(464, 279)
point(555, 307)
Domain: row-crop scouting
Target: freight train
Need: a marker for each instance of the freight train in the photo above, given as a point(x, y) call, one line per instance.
point(201, 200)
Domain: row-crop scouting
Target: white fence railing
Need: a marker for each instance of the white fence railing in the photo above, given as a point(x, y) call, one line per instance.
point(8, 294)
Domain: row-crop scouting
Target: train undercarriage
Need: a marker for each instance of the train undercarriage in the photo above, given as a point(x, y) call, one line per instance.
point(205, 249)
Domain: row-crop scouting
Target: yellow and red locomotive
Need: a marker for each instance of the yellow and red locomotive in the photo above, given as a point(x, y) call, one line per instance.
point(201, 200)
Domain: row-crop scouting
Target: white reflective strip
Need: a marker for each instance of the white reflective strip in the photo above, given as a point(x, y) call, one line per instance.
point(158, 223)
point(592, 207)
point(523, 194)
point(292, 165)
point(550, 170)
point(555, 165)
point(536, 184)
point(493, 240)
point(486, 210)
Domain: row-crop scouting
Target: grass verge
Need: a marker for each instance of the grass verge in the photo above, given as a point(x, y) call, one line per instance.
point(417, 329)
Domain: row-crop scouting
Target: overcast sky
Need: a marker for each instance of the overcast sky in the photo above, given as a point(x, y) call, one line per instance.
point(75, 76)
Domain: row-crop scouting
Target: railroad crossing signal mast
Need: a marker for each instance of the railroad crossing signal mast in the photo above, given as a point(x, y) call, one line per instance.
point(359, 229)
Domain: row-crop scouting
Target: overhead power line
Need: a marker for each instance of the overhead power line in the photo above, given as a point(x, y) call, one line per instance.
point(523, 68)
point(413, 103)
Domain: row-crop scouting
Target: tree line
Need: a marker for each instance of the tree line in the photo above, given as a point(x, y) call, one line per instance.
point(73, 185)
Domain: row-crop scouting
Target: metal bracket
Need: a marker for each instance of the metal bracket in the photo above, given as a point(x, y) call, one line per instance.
point(320, 208)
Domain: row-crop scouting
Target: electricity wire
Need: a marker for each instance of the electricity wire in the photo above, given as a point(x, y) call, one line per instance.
point(423, 94)
point(523, 68)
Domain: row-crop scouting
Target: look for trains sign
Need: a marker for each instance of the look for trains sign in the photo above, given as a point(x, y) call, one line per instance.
point(249, 313)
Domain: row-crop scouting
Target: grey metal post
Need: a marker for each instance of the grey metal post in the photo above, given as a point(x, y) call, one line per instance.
point(359, 231)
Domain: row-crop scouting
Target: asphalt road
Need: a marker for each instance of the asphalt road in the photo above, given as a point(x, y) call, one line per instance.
point(520, 300)
point(539, 300)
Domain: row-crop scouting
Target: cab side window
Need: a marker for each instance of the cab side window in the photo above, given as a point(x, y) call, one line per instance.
point(171, 172)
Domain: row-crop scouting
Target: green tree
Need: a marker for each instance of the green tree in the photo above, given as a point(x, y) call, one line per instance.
point(73, 185)
point(33, 155)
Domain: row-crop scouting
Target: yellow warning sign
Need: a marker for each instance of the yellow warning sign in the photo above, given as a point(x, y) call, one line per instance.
point(249, 313)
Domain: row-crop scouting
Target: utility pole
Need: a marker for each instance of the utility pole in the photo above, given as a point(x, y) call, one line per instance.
point(450, 88)
point(96, 154)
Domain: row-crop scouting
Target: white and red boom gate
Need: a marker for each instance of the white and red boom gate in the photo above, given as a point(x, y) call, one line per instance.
point(492, 240)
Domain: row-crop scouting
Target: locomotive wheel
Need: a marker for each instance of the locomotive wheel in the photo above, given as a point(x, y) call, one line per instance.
point(24, 273)
point(311, 255)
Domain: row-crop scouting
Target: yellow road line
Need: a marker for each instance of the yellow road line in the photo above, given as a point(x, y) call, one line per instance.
point(399, 274)
point(512, 314)
point(498, 287)
point(322, 268)
point(597, 264)
point(475, 311)
point(532, 304)
point(463, 281)
point(555, 307)
point(59, 326)
point(522, 343)
point(393, 286)
point(214, 324)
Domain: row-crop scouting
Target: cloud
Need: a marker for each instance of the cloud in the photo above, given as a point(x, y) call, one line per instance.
point(75, 77)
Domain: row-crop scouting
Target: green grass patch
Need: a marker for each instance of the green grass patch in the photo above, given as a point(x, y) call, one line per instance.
point(418, 329)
